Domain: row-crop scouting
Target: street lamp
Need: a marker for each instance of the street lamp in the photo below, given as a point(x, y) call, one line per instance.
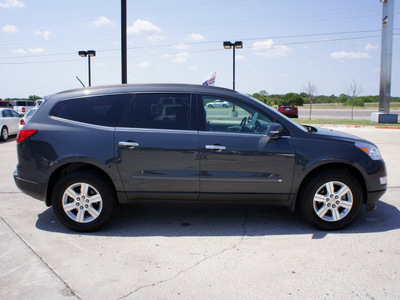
point(235, 45)
point(88, 53)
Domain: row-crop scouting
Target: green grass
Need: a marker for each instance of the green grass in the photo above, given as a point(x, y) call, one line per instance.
point(342, 122)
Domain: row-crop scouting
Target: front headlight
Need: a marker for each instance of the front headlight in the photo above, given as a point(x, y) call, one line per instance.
point(371, 150)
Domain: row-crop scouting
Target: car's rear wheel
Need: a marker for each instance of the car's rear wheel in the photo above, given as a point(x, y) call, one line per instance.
point(83, 201)
point(331, 200)
point(4, 134)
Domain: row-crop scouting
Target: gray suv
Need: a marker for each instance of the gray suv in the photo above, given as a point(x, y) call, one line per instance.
point(87, 150)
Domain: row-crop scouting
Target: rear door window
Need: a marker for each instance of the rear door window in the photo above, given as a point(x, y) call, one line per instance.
point(98, 110)
point(161, 111)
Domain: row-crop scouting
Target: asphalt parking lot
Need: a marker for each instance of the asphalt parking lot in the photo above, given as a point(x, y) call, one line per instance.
point(200, 251)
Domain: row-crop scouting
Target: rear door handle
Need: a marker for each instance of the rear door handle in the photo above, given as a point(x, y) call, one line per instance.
point(215, 147)
point(129, 145)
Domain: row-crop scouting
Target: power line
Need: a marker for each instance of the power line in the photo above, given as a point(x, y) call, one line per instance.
point(212, 42)
point(207, 50)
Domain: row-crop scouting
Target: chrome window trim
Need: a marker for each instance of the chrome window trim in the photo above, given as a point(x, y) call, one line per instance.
point(94, 126)
point(155, 130)
point(220, 133)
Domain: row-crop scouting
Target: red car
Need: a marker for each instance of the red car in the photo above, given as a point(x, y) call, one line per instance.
point(290, 111)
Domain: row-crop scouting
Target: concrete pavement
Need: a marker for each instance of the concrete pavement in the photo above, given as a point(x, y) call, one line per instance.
point(200, 252)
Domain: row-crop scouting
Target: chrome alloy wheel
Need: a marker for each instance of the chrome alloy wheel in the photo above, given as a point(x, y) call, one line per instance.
point(333, 201)
point(82, 202)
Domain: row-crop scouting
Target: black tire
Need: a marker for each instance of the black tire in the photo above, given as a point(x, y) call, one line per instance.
point(210, 106)
point(4, 134)
point(83, 211)
point(331, 200)
point(224, 106)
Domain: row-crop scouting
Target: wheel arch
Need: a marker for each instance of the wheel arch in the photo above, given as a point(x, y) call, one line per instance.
point(334, 165)
point(73, 167)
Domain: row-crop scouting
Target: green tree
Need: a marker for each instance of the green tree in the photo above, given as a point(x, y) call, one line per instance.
point(34, 97)
point(343, 98)
point(292, 98)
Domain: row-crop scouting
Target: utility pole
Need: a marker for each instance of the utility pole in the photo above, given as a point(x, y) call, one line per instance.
point(124, 60)
point(384, 116)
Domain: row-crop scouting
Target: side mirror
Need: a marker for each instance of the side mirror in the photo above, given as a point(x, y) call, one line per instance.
point(274, 130)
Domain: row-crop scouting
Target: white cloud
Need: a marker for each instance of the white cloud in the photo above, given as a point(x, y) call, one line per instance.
point(370, 47)
point(19, 51)
point(195, 37)
point(37, 51)
point(45, 34)
point(154, 38)
point(349, 55)
point(9, 28)
point(181, 57)
point(144, 64)
point(143, 26)
point(102, 21)
point(269, 49)
point(240, 58)
point(181, 46)
point(11, 3)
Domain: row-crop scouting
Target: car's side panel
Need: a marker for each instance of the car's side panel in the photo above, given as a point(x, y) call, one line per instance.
point(249, 164)
point(156, 163)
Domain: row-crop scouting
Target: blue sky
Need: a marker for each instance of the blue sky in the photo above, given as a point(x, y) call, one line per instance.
point(286, 44)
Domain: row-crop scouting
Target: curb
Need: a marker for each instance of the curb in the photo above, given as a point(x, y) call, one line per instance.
point(356, 126)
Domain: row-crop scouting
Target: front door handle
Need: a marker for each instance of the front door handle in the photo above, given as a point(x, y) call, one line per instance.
point(129, 145)
point(215, 147)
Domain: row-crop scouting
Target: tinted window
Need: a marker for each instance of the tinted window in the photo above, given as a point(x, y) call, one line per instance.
point(7, 114)
point(162, 111)
point(100, 110)
point(228, 115)
point(14, 114)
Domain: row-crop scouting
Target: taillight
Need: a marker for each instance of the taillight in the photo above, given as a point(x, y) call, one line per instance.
point(23, 109)
point(22, 122)
point(23, 134)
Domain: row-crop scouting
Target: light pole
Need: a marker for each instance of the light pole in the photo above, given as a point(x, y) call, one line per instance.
point(124, 51)
point(235, 45)
point(88, 53)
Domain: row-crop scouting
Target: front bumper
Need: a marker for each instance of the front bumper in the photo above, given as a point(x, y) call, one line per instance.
point(373, 198)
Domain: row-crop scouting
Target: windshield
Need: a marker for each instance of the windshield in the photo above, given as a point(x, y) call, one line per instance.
point(281, 115)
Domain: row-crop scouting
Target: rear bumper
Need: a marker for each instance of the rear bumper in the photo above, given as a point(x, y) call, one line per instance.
point(33, 189)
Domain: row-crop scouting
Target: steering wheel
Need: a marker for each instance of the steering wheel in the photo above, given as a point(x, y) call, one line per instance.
point(257, 126)
point(242, 123)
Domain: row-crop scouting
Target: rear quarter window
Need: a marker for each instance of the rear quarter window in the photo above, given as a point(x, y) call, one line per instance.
point(100, 110)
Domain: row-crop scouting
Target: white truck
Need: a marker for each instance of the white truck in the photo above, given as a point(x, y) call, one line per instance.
point(22, 106)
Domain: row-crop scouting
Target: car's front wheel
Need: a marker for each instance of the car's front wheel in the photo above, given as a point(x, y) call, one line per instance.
point(331, 200)
point(83, 201)
point(4, 134)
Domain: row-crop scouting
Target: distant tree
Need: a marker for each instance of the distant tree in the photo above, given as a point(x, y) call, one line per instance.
point(292, 98)
point(34, 97)
point(311, 91)
point(343, 98)
point(354, 90)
